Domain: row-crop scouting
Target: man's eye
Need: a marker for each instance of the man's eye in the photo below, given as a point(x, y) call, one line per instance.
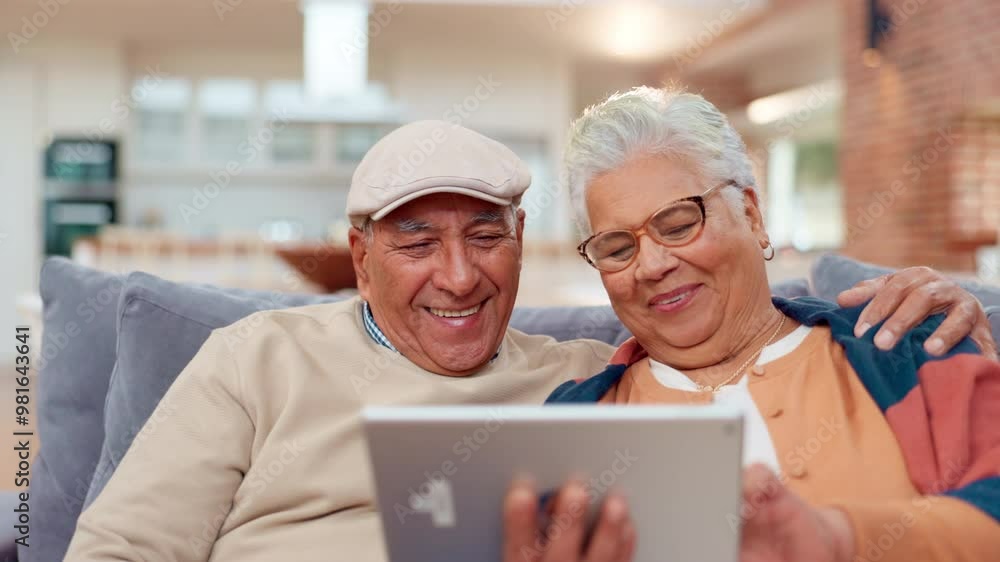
point(487, 239)
point(417, 246)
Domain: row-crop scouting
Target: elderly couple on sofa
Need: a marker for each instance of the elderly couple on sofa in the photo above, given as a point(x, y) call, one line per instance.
point(663, 182)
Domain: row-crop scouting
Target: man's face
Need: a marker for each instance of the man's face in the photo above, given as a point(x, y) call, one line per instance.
point(440, 274)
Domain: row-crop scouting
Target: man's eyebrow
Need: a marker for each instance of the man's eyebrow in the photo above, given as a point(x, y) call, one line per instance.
point(411, 226)
point(489, 217)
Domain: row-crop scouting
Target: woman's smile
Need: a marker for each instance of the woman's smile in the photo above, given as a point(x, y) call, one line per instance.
point(676, 300)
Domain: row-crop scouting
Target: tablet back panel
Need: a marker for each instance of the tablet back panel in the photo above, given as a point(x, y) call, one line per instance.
point(442, 472)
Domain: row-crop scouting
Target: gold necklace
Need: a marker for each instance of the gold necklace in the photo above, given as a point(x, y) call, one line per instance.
point(714, 389)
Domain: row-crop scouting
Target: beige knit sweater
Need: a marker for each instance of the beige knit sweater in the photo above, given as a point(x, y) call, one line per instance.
point(256, 452)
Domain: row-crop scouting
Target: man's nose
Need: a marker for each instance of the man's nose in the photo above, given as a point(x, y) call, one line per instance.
point(654, 261)
point(459, 274)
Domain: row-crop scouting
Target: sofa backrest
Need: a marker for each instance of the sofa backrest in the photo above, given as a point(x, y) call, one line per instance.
point(74, 368)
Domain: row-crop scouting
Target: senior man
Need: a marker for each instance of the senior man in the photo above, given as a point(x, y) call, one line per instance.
point(437, 252)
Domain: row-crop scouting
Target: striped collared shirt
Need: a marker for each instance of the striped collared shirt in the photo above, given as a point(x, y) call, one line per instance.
point(373, 330)
point(375, 333)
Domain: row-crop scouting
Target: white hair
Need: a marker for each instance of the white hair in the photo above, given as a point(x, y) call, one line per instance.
point(648, 120)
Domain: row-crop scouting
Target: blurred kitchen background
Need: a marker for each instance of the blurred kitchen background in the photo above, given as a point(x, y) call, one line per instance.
point(214, 140)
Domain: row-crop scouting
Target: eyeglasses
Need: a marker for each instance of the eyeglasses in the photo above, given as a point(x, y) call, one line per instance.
point(677, 224)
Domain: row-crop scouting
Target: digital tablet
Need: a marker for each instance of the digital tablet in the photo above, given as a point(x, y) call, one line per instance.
point(441, 474)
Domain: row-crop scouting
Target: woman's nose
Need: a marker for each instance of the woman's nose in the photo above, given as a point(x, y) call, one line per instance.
point(654, 261)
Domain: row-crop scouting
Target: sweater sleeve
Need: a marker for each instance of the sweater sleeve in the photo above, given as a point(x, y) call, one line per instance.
point(925, 529)
point(947, 427)
point(174, 489)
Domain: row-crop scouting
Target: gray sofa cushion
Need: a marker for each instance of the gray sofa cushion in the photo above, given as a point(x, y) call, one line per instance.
point(161, 325)
point(993, 313)
point(571, 323)
point(9, 501)
point(832, 273)
point(791, 288)
point(77, 356)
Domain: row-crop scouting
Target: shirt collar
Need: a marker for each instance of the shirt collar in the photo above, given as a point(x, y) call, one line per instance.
point(373, 330)
point(376, 334)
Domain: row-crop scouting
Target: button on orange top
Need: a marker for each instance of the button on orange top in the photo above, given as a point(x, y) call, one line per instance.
point(757, 370)
point(798, 471)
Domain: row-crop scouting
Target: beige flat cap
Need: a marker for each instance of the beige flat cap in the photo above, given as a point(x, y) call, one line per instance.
point(428, 157)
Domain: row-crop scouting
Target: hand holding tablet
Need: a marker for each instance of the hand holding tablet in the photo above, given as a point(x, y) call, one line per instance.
point(565, 535)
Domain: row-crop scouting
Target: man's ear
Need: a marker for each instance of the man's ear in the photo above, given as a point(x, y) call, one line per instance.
point(520, 226)
point(519, 231)
point(359, 257)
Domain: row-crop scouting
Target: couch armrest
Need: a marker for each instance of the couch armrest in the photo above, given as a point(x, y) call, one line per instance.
point(8, 548)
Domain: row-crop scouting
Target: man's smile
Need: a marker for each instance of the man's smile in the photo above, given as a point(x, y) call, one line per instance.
point(456, 317)
point(446, 313)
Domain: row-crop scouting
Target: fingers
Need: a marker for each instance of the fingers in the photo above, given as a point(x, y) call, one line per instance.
point(627, 553)
point(520, 525)
point(964, 319)
point(983, 336)
point(761, 487)
point(923, 301)
point(567, 528)
point(757, 479)
point(862, 291)
point(614, 537)
point(888, 299)
point(960, 322)
point(840, 532)
point(906, 298)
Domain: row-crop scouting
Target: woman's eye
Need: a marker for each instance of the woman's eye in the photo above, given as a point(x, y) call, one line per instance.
point(622, 254)
point(678, 231)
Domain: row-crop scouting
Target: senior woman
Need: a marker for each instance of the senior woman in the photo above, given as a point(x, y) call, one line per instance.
point(882, 455)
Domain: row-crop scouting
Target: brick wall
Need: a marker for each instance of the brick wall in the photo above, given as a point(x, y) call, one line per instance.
point(920, 153)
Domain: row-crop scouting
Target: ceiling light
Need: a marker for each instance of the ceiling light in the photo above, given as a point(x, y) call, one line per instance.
point(800, 101)
point(635, 30)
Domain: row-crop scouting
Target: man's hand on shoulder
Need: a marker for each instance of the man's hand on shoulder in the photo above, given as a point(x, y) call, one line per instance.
point(907, 297)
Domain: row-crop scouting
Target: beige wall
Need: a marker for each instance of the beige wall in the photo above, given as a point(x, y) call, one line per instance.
point(19, 234)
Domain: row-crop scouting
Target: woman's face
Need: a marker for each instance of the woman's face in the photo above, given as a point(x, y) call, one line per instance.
point(699, 298)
